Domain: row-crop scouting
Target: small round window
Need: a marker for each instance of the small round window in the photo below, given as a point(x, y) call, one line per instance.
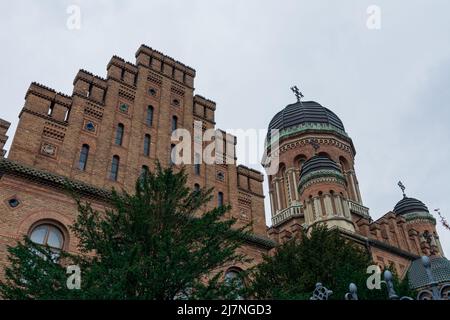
point(13, 203)
point(90, 126)
point(152, 92)
point(123, 108)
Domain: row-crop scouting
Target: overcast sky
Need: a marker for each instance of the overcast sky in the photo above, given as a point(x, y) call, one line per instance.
point(390, 86)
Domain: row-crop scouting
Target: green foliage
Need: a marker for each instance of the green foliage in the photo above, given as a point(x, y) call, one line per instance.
point(325, 257)
point(152, 244)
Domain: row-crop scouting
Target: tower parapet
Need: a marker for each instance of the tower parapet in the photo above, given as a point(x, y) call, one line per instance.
point(4, 126)
point(166, 65)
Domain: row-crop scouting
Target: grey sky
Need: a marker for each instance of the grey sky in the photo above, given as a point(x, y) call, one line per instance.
point(390, 86)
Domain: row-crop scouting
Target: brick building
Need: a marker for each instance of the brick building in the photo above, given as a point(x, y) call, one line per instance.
point(109, 130)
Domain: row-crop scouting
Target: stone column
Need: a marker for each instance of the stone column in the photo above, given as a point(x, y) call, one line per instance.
point(338, 205)
point(277, 188)
point(346, 209)
point(328, 206)
point(295, 185)
point(272, 204)
point(317, 208)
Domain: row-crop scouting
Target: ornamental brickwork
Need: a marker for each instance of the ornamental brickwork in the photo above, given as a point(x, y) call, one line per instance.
point(103, 136)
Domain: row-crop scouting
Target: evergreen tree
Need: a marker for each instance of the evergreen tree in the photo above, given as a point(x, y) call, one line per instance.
point(152, 244)
point(324, 256)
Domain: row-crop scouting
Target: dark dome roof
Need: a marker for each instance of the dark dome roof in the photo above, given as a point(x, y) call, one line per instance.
point(304, 112)
point(318, 162)
point(407, 205)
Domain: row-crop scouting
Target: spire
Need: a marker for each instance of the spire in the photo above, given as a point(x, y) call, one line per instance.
point(400, 184)
point(297, 93)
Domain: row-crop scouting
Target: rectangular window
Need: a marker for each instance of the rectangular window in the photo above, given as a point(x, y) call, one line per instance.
point(147, 143)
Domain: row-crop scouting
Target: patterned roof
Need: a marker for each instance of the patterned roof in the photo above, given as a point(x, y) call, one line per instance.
point(305, 112)
point(440, 269)
point(18, 169)
point(318, 162)
point(407, 205)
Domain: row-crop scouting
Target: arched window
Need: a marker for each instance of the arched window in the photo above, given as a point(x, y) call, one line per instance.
point(119, 134)
point(324, 154)
point(196, 187)
point(83, 157)
point(115, 168)
point(48, 235)
point(147, 142)
point(174, 123)
point(197, 164)
point(149, 119)
point(299, 160)
point(233, 278)
point(220, 199)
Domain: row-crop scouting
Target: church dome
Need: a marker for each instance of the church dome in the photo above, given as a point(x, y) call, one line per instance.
point(319, 165)
point(408, 205)
point(307, 112)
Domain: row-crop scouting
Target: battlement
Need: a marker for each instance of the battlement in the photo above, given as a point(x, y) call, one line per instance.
point(251, 173)
point(48, 93)
point(91, 78)
point(121, 70)
point(166, 65)
point(46, 101)
point(228, 136)
point(4, 126)
point(90, 86)
point(205, 102)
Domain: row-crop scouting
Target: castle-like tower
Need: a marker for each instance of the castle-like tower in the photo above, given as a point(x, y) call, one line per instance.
point(103, 136)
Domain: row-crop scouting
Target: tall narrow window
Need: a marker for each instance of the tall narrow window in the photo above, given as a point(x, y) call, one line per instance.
point(147, 142)
point(172, 155)
point(174, 123)
point(144, 171)
point(220, 199)
point(149, 119)
point(51, 108)
point(196, 187)
point(115, 168)
point(119, 134)
point(197, 164)
point(83, 157)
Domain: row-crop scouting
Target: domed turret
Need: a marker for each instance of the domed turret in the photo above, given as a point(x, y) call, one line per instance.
point(421, 220)
point(319, 166)
point(408, 205)
point(315, 180)
point(303, 113)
